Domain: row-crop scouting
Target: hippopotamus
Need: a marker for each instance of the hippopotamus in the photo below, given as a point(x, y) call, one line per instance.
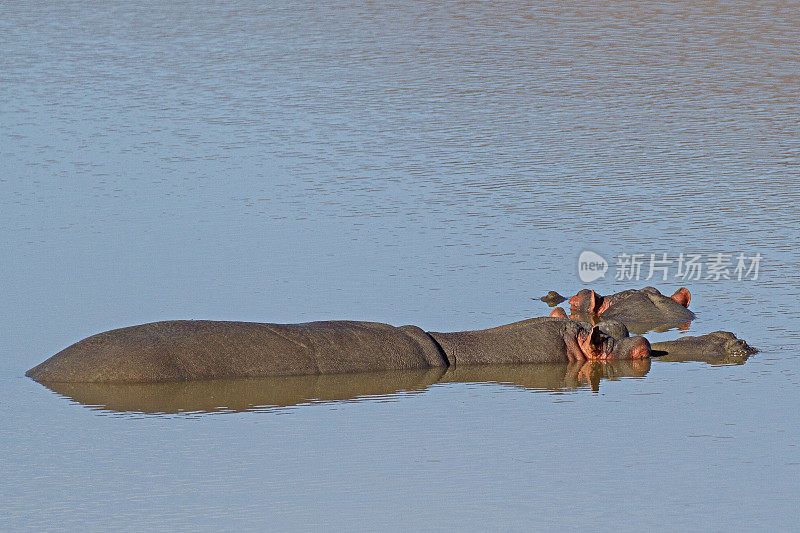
point(245, 394)
point(719, 347)
point(641, 310)
point(199, 349)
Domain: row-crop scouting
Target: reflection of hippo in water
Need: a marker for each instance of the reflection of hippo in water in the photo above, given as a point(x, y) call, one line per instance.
point(248, 394)
point(640, 309)
point(188, 350)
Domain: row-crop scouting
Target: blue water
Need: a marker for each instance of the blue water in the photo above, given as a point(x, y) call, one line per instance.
point(440, 164)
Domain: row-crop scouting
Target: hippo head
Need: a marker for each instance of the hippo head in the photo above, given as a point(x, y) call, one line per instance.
point(605, 341)
point(717, 348)
point(641, 309)
point(588, 301)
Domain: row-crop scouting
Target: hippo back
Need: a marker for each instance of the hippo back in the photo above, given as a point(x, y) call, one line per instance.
point(198, 349)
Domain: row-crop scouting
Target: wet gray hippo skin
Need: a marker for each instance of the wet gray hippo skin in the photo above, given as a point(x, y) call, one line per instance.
point(719, 347)
point(190, 350)
point(640, 309)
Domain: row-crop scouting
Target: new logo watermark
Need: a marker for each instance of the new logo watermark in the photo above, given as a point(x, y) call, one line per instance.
point(636, 267)
point(591, 266)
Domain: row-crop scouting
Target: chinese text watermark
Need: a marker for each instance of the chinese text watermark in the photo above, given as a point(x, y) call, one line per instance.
point(659, 267)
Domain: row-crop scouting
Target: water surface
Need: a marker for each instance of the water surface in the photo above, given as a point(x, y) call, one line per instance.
point(430, 163)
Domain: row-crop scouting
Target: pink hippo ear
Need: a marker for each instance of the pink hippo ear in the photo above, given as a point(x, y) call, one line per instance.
point(557, 312)
point(597, 304)
point(592, 344)
point(586, 300)
point(682, 296)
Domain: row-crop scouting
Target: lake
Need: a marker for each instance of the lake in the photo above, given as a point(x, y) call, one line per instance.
point(442, 164)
